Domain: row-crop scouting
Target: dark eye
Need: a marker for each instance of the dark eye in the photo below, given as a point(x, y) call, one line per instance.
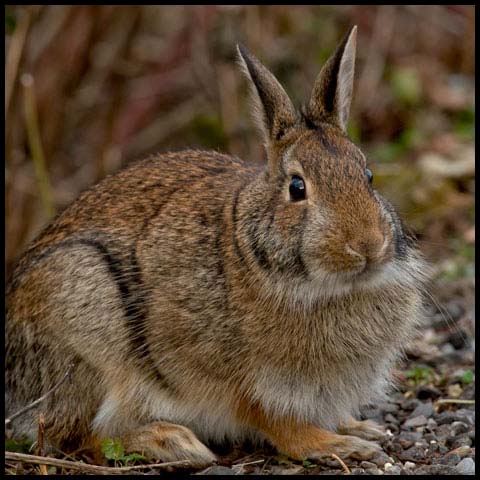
point(297, 189)
point(369, 175)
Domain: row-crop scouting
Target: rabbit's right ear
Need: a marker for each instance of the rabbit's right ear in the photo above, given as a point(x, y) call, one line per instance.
point(275, 111)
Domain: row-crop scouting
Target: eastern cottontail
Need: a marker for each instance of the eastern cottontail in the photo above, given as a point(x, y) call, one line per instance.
point(199, 296)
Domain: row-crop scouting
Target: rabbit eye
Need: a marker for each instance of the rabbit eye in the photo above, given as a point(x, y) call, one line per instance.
point(369, 175)
point(297, 189)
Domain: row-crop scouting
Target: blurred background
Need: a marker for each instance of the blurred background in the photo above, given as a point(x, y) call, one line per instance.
point(90, 88)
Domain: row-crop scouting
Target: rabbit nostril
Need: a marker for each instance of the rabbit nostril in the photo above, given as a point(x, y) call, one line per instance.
point(368, 250)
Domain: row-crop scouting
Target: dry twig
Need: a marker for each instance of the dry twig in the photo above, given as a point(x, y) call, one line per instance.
point(87, 468)
point(9, 420)
point(14, 54)
point(35, 143)
point(40, 437)
point(342, 463)
point(455, 400)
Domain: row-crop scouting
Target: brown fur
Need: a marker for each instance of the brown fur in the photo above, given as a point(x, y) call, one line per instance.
point(197, 301)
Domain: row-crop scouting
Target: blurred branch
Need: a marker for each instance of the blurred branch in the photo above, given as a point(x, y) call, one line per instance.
point(14, 54)
point(161, 129)
point(448, 20)
point(377, 51)
point(35, 143)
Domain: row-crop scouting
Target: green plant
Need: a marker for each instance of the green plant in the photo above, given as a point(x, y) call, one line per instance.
point(308, 464)
point(420, 375)
point(18, 446)
point(113, 450)
point(467, 377)
point(10, 23)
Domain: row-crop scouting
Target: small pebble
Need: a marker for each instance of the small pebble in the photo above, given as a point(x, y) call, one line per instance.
point(433, 448)
point(413, 454)
point(459, 339)
point(458, 427)
point(462, 441)
point(284, 470)
point(410, 404)
point(416, 422)
point(380, 459)
point(468, 393)
point(330, 462)
point(409, 465)
point(217, 470)
point(393, 470)
point(466, 467)
point(442, 431)
point(447, 349)
point(358, 471)
point(455, 390)
point(431, 424)
point(422, 443)
point(389, 418)
point(463, 451)
point(464, 415)
point(425, 409)
point(448, 459)
point(444, 417)
point(436, 470)
point(408, 439)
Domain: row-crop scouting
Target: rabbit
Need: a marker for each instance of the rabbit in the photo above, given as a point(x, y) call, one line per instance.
point(196, 298)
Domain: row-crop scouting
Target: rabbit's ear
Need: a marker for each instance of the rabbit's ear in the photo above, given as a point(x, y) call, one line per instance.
point(332, 91)
point(274, 111)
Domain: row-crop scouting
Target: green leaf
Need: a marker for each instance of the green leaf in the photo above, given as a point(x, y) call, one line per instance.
point(420, 374)
point(18, 446)
point(113, 449)
point(132, 457)
point(467, 377)
point(10, 23)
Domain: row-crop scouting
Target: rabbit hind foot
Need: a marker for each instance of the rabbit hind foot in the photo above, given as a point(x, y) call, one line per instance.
point(168, 442)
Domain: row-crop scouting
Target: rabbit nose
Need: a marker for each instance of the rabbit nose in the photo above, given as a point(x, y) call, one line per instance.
point(369, 249)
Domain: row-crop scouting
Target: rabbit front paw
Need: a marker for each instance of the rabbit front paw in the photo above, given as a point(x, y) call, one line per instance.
point(366, 429)
point(347, 446)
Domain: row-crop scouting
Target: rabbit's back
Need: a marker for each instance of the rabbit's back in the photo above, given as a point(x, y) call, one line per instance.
point(124, 203)
point(143, 246)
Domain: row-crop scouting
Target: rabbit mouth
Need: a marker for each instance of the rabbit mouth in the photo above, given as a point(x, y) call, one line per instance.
point(368, 272)
point(362, 276)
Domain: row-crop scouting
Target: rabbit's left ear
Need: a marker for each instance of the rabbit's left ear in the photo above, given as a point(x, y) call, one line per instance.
point(274, 111)
point(332, 91)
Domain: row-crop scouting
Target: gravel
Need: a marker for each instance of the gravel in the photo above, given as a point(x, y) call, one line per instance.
point(466, 467)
